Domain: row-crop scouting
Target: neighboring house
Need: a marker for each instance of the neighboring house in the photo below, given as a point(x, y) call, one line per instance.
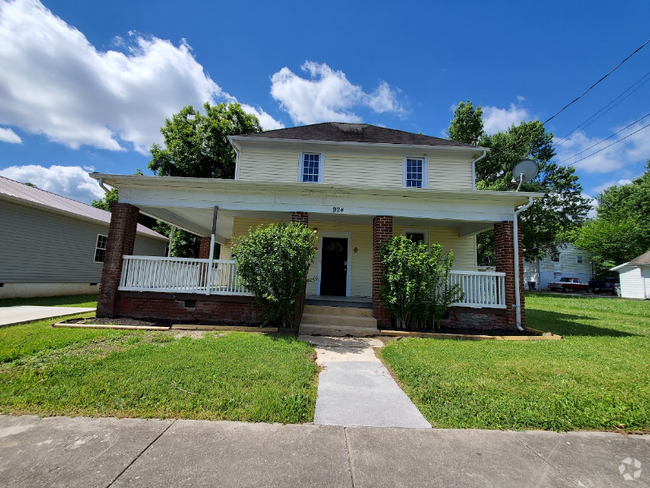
point(635, 277)
point(51, 245)
point(569, 263)
point(356, 186)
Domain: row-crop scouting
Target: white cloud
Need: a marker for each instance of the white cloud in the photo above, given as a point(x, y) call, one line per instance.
point(618, 157)
point(499, 119)
point(623, 181)
point(328, 95)
point(68, 181)
point(7, 135)
point(593, 211)
point(61, 86)
point(266, 121)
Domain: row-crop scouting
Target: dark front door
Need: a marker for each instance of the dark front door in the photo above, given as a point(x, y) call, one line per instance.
point(334, 266)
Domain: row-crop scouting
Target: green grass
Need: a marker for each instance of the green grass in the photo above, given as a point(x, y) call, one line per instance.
point(597, 378)
point(233, 376)
point(62, 301)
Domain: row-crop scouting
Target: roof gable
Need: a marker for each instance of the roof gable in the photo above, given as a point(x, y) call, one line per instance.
point(355, 133)
point(37, 197)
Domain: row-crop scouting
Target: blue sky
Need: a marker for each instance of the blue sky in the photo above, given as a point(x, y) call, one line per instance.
point(86, 85)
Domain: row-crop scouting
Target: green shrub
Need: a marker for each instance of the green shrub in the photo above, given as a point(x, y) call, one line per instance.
point(415, 287)
point(273, 263)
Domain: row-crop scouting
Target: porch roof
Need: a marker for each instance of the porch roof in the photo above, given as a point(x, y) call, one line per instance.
point(188, 202)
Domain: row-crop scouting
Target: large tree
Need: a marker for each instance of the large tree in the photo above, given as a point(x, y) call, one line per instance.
point(562, 208)
point(621, 230)
point(197, 145)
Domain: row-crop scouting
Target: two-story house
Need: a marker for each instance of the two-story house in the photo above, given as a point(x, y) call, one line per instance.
point(356, 186)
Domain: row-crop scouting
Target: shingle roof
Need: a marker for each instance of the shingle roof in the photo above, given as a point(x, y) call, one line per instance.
point(37, 196)
point(644, 259)
point(361, 133)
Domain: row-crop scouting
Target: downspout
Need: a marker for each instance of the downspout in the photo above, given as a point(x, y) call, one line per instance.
point(515, 232)
point(474, 169)
point(100, 182)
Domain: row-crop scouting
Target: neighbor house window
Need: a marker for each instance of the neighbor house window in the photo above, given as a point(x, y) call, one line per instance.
point(579, 259)
point(100, 248)
point(416, 173)
point(311, 168)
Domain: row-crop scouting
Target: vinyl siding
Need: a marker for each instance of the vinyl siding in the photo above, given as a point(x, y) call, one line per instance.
point(464, 248)
point(37, 246)
point(369, 169)
point(632, 283)
point(568, 266)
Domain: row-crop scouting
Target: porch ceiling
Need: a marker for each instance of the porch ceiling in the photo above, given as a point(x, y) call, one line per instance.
point(188, 203)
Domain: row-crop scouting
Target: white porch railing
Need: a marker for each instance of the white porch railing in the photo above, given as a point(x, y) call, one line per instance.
point(180, 275)
point(482, 289)
point(186, 275)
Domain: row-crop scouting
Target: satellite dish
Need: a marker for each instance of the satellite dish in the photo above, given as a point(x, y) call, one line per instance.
point(524, 171)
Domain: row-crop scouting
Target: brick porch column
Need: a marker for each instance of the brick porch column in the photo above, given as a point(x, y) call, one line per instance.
point(382, 231)
point(121, 239)
point(204, 250)
point(504, 250)
point(300, 217)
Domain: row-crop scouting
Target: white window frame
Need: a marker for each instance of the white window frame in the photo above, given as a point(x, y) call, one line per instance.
point(417, 230)
point(425, 171)
point(301, 165)
point(98, 248)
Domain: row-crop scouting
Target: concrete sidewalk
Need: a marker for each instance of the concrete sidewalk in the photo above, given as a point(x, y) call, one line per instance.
point(84, 452)
point(28, 313)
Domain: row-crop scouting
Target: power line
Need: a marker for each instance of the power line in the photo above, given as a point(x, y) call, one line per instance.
point(606, 138)
point(596, 116)
point(589, 89)
point(613, 143)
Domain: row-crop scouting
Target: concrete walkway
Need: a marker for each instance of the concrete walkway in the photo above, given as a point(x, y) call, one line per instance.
point(71, 452)
point(355, 389)
point(18, 315)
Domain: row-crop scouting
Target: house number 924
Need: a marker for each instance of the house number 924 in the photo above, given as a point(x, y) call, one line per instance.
point(337, 209)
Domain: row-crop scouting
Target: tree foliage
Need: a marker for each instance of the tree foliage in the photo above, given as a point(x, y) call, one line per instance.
point(272, 263)
point(196, 145)
point(621, 230)
point(560, 210)
point(415, 287)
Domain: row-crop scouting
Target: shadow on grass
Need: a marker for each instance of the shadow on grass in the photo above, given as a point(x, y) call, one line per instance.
point(569, 325)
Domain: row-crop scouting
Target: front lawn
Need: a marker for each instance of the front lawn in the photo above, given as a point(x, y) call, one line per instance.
point(85, 301)
point(228, 376)
point(597, 378)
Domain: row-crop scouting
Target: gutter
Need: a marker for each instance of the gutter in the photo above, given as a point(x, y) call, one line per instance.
point(515, 237)
point(474, 168)
point(100, 182)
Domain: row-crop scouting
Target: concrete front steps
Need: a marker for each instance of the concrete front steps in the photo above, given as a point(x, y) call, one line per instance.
point(338, 321)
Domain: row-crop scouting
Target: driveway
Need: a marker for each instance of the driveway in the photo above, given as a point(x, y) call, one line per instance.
point(18, 315)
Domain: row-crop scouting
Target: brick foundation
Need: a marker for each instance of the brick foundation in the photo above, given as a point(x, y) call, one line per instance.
point(189, 308)
point(473, 318)
point(120, 242)
point(504, 250)
point(300, 217)
point(382, 231)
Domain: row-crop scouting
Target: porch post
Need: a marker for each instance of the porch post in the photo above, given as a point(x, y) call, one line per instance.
point(300, 217)
point(215, 213)
point(204, 250)
point(504, 250)
point(121, 240)
point(382, 231)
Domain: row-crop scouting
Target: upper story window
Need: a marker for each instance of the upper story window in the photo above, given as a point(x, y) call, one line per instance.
point(416, 173)
point(311, 168)
point(579, 259)
point(100, 248)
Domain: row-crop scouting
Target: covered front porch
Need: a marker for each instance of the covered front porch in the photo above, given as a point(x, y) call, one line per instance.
point(351, 224)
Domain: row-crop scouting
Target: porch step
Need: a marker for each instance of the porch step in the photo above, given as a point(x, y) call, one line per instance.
point(330, 330)
point(339, 303)
point(338, 321)
point(328, 310)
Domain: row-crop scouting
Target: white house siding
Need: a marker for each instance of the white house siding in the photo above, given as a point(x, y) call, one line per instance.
point(545, 271)
point(464, 248)
point(369, 169)
point(633, 280)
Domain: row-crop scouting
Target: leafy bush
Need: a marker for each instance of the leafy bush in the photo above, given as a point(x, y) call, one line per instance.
point(415, 287)
point(273, 263)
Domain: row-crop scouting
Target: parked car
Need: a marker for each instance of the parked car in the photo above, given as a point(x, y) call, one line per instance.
point(604, 285)
point(568, 284)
